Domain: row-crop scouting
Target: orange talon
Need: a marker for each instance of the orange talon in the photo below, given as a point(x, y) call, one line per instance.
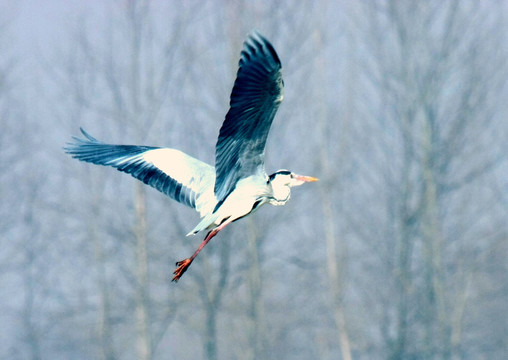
point(181, 269)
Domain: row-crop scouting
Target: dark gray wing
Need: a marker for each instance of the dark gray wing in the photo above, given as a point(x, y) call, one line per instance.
point(172, 172)
point(256, 96)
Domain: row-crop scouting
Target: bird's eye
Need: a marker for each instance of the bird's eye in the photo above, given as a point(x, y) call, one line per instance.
point(291, 175)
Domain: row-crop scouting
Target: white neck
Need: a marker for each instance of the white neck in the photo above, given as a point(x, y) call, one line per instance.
point(280, 194)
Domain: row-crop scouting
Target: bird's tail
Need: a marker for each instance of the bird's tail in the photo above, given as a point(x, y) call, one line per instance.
point(206, 223)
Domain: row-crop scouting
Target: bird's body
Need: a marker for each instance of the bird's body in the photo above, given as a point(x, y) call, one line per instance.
point(238, 184)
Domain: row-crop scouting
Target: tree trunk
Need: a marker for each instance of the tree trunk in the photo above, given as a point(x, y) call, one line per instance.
point(211, 334)
point(437, 333)
point(257, 312)
point(142, 317)
point(29, 277)
point(334, 275)
point(104, 332)
point(334, 269)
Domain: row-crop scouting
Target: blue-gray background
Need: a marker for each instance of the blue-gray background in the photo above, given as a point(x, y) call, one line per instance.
point(399, 252)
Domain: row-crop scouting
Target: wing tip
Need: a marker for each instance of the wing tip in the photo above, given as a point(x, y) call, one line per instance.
point(87, 135)
point(74, 147)
point(256, 42)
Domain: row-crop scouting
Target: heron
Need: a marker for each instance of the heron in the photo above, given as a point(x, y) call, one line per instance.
point(238, 184)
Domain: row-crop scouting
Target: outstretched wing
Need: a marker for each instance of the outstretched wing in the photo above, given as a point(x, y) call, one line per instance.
point(172, 172)
point(256, 96)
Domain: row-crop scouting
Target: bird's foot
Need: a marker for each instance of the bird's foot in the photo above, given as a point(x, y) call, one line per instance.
point(182, 267)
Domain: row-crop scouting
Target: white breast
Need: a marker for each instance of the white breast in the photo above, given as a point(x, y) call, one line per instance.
point(240, 202)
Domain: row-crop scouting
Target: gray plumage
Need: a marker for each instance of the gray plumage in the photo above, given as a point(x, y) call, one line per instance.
point(256, 96)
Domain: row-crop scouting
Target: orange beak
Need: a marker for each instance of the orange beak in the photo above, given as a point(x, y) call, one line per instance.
point(305, 178)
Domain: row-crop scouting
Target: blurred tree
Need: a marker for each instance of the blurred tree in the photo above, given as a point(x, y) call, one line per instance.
point(398, 107)
point(332, 167)
point(126, 80)
point(441, 103)
point(19, 238)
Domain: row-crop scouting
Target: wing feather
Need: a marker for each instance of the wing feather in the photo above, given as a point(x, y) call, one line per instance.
point(172, 172)
point(256, 96)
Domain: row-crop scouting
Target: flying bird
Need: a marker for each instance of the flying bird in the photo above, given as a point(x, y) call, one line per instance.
point(238, 185)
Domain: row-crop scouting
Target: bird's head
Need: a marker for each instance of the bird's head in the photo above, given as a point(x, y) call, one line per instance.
point(288, 178)
point(282, 181)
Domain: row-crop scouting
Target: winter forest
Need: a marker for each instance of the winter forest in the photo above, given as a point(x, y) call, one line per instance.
point(398, 252)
